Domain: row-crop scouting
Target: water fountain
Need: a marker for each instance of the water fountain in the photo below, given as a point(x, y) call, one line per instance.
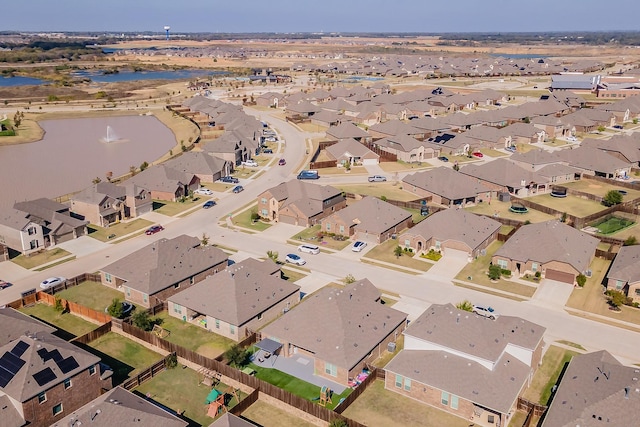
point(111, 136)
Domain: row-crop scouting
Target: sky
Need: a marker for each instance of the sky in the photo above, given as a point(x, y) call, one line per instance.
point(284, 16)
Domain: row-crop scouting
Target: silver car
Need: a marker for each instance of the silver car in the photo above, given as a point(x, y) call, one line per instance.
point(377, 178)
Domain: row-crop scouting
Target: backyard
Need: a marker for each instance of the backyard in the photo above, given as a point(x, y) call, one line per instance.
point(380, 190)
point(193, 337)
point(310, 234)
point(264, 414)
point(378, 407)
point(612, 224)
point(385, 252)
point(601, 188)
point(91, 294)
point(118, 230)
point(69, 325)
point(40, 258)
point(573, 205)
point(501, 209)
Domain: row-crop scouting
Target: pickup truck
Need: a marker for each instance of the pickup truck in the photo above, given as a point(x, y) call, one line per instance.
point(308, 175)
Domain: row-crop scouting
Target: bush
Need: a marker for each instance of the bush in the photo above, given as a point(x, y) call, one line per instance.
point(115, 308)
point(142, 320)
point(612, 197)
point(505, 272)
point(237, 356)
point(58, 306)
point(538, 274)
point(616, 298)
point(172, 361)
point(432, 255)
point(494, 272)
point(581, 280)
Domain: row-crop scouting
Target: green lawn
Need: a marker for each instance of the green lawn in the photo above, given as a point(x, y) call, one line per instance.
point(612, 224)
point(264, 414)
point(310, 234)
point(384, 252)
point(416, 216)
point(120, 229)
point(243, 219)
point(625, 233)
point(194, 337)
point(547, 374)
point(291, 275)
point(601, 188)
point(91, 294)
point(492, 153)
point(69, 325)
point(379, 189)
point(176, 208)
point(378, 407)
point(294, 385)
point(43, 257)
point(501, 209)
point(180, 390)
point(572, 205)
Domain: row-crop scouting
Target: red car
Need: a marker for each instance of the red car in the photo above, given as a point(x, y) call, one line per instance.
point(153, 230)
point(4, 284)
point(478, 154)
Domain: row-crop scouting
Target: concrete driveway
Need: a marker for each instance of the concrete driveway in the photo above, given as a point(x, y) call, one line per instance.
point(449, 265)
point(552, 294)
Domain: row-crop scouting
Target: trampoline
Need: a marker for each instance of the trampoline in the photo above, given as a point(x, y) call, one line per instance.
point(558, 192)
point(518, 208)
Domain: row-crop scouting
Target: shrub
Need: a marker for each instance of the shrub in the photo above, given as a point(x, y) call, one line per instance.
point(58, 306)
point(538, 274)
point(505, 272)
point(142, 320)
point(630, 241)
point(494, 272)
point(616, 298)
point(237, 356)
point(432, 255)
point(349, 279)
point(115, 308)
point(581, 280)
point(465, 305)
point(172, 361)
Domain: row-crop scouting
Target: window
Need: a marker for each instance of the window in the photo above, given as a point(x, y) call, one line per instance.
point(33, 244)
point(619, 284)
point(407, 384)
point(42, 397)
point(177, 308)
point(454, 401)
point(263, 201)
point(217, 324)
point(145, 297)
point(32, 231)
point(260, 316)
point(638, 291)
point(342, 229)
point(107, 277)
point(534, 266)
point(398, 381)
point(67, 383)
point(265, 212)
point(92, 370)
point(57, 409)
point(328, 227)
point(444, 398)
point(503, 264)
point(232, 329)
point(330, 369)
point(438, 245)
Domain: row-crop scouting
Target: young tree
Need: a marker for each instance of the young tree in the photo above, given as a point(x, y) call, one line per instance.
point(616, 298)
point(465, 305)
point(495, 272)
point(143, 166)
point(204, 240)
point(397, 251)
point(142, 320)
point(115, 309)
point(613, 197)
point(237, 356)
point(630, 241)
point(273, 256)
point(349, 279)
point(581, 280)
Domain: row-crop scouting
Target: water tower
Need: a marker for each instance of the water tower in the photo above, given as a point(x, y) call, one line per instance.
point(166, 29)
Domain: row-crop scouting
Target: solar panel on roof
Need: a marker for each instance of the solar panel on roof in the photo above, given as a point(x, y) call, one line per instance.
point(20, 348)
point(45, 376)
point(5, 377)
point(56, 356)
point(44, 354)
point(12, 363)
point(68, 365)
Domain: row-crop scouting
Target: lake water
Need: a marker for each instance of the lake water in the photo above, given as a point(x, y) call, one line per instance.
point(518, 55)
point(71, 155)
point(20, 81)
point(128, 76)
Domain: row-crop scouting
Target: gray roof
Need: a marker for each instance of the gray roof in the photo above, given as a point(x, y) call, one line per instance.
point(446, 182)
point(555, 241)
point(596, 390)
point(404, 143)
point(23, 386)
point(395, 127)
point(303, 195)
point(54, 214)
point(119, 407)
point(347, 130)
point(230, 420)
point(628, 146)
point(503, 172)
point(626, 265)
point(593, 159)
point(340, 326)
point(557, 169)
point(15, 324)
point(235, 295)
point(164, 263)
point(197, 163)
point(161, 178)
point(97, 192)
point(372, 215)
point(9, 413)
point(457, 225)
point(536, 157)
point(351, 146)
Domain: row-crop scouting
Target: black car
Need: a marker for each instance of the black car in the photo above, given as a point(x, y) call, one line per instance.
point(618, 127)
point(267, 151)
point(230, 179)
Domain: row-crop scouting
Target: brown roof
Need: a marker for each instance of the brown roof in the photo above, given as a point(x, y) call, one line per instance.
point(161, 178)
point(593, 159)
point(626, 265)
point(230, 420)
point(198, 163)
point(347, 130)
point(555, 241)
point(372, 215)
point(340, 326)
point(447, 183)
point(307, 197)
point(503, 172)
point(164, 263)
point(350, 146)
point(15, 324)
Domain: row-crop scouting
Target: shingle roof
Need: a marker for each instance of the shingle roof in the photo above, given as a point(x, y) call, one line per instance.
point(347, 130)
point(161, 178)
point(626, 265)
point(164, 263)
point(14, 324)
point(593, 159)
point(446, 182)
point(230, 420)
point(503, 172)
point(351, 146)
point(197, 163)
point(555, 241)
point(372, 215)
point(303, 195)
point(340, 326)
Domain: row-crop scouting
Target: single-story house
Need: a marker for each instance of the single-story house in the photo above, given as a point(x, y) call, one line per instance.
point(106, 203)
point(406, 148)
point(350, 151)
point(560, 252)
point(341, 329)
point(466, 364)
point(447, 187)
point(624, 274)
point(163, 268)
point(593, 161)
point(505, 175)
point(347, 130)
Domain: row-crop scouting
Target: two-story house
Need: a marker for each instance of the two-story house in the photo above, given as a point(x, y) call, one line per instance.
point(107, 203)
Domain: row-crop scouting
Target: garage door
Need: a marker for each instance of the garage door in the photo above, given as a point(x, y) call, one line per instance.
point(560, 276)
point(369, 162)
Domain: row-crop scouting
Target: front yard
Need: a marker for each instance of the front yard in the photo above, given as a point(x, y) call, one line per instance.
point(380, 189)
point(176, 208)
point(385, 252)
point(501, 209)
point(310, 234)
point(67, 323)
point(243, 219)
point(401, 166)
point(91, 294)
point(118, 230)
point(43, 257)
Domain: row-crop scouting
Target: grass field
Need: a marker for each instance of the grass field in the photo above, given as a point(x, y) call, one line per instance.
point(91, 294)
point(194, 337)
point(68, 325)
point(601, 188)
point(264, 414)
point(384, 252)
point(612, 224)
point(379, 189)
point(243, 219)
point(176, 208)
point(547, 374)
point(310, 234)
point(502, 210)
point(119, 230)
point(572, 205)
point(43, 257)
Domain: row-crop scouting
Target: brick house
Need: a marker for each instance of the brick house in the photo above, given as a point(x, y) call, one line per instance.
point(349, 151)
point(466, 364)
point(561, 252)
point(236, 301)
point(340, 329)
point(299, 203)
point(163, 268)
point(107, 203)
point(369, 219)
point(624, 274)
point(447, 187)
point(166, 183)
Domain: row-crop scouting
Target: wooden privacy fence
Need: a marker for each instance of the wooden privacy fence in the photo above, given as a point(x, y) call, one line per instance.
point(245, 403)
point(373, 376)
point(526, 406)
point(145, 375)
point(75, 308)
point(93, 335)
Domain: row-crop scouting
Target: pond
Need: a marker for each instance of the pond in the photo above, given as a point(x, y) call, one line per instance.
point(20, 81)
point(72, 153)
point(130, 75)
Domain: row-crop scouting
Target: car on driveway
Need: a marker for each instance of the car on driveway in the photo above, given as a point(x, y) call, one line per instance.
point(127, 308)
point(282, 162)
point(250, 163)
point(477, 154)
point(209, 204)
point(443, 159)
point(488, 312)
point(267, 151)
point(358, 246)
point(295, 259)
point(230, 180)
point(203, 191)
point(572, 139)
point(377, 178)
point(51, 282)
point(310, 249)
point(153, 230)
point(237, 189)
point(511, 148)
point(4, 285)
point(618, 127)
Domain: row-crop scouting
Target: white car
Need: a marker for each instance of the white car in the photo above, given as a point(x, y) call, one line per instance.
point(310, 249)
point(295, 259)
point(572, 139)
point(51, 282)
point(488, 312)
point(203, 191)
point(358, 246)
point(250, 163)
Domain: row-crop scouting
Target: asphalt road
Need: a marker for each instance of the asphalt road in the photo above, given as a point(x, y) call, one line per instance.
point(417, 291)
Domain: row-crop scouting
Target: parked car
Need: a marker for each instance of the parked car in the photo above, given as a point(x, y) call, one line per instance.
point(295, 259)
point(477, 154)
point(282, 162)
point(267, 151)
point(4, 285)
point(377, 178)
point(238, 188)
point(310, 249)
point(127, 308)
point(358, 246)
point(308, 175)
point(230, 180)
point(51, 282)
point(250, 163)
point(488, 312)
point(572, 138)
point(511, 148)
point(618, 127)
point(203, 191)
point(209, 204)
point(153, 230)
point(443, 159)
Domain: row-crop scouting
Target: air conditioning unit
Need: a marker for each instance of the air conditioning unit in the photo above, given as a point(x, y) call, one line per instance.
point(391, 347)
point(588, 273)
